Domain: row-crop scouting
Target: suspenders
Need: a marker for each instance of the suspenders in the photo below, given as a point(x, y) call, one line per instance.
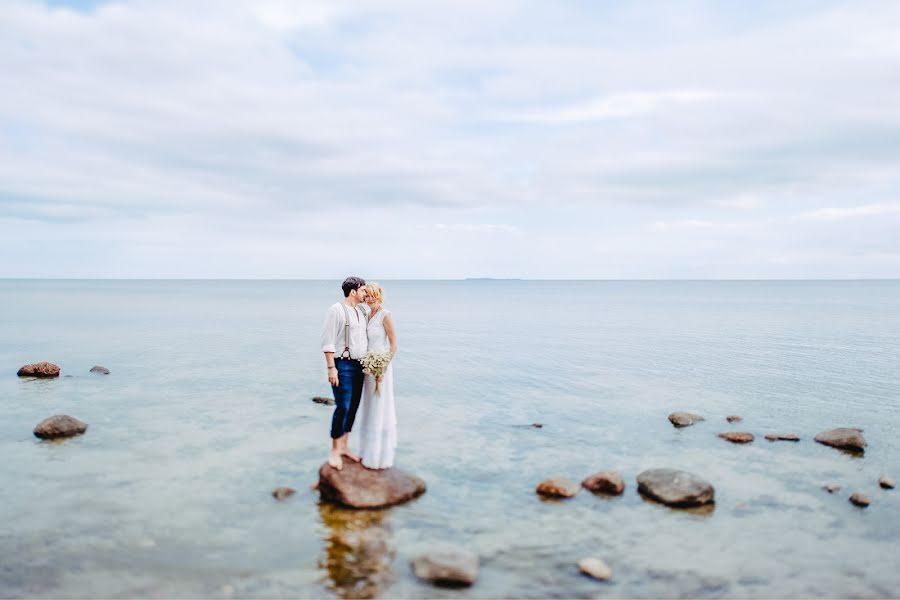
point(346, 331)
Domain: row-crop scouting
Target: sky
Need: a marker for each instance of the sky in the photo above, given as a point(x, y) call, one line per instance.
point(450, 139)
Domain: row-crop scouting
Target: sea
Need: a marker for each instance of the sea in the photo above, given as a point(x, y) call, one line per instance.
point(208, 408)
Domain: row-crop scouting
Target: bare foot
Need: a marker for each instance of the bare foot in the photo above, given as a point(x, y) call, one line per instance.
point(346, 452)
point(334, 459)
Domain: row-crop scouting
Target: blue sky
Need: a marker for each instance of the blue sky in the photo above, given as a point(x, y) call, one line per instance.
point(447, 139)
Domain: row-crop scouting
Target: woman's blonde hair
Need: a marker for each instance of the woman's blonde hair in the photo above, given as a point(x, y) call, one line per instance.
point(375, 291)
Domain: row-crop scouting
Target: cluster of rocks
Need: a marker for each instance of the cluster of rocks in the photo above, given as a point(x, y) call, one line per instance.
point(844, 438)
point(671, 487)
point(57, 426)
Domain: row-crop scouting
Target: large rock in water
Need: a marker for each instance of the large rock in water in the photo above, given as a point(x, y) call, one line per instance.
point(358, 487)
point(843, 437)
point(59, 426)
point(41, 369)
point(684, 419)
point(675, 488)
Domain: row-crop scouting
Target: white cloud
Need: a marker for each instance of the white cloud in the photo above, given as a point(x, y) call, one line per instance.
point(619, 105)
point(476, 228)
point(867, 210)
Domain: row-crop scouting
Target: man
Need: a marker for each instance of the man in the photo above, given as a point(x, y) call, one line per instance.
point(344, 342)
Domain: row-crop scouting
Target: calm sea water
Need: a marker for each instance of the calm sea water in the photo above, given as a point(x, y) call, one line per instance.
point(208, 409)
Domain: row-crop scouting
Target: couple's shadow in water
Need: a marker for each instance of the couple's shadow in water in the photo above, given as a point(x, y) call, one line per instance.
point(359, 551)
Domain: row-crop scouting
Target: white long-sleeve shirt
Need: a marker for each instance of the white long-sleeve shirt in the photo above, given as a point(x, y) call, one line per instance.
point(333, 330)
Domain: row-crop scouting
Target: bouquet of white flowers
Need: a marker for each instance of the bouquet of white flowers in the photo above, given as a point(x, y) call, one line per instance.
point(375, 364)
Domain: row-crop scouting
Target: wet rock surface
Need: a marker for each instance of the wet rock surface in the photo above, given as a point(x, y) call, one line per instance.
point(557, 487)
point(59, 426)
point(886, 483)
point(737, 437)
point(446, 565)
point(595, 567)
point(675, 488)
point(845, 438)
point(860, 499)
point(605, 482)
point(323, 400)
point(42, 369)
point(358, 487)
point(734, 419)
point(783, 437)
point(831, 488)
point(684, 419)
point(98, 370)
point(281, 493)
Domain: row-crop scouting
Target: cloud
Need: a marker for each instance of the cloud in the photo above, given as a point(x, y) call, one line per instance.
point(477, 228)
point(620, 105)
point(850, 212)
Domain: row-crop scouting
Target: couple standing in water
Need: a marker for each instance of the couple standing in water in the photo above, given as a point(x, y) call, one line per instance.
point(354, 326)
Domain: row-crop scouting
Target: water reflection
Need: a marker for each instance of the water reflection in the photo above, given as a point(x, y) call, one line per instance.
point(359, 551)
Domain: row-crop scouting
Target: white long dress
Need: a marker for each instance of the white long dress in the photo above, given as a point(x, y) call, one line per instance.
point(378, 422)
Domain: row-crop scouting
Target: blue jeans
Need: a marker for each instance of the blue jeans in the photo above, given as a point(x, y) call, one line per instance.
point(346, 396)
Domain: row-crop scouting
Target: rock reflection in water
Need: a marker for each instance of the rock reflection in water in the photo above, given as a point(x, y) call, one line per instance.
point(359, 551)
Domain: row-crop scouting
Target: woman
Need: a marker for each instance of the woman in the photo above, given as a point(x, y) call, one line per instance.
point(378, 429)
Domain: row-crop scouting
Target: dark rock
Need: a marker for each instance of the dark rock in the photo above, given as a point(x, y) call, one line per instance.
point(785, 437)
point(596, 568)
point(446, 565)
point(100, 370)
point(323, 400)
point(59, 426)
point(537, 425)
point(734, 418)
point(886, 482)
point(358, 487)
point(606, 482)
point(283, 492)
point(845, 438)
point(737, 437)
point(860, 499)
point(675, 488)
point(41, 369)
point(684, 419)
point(557, 487)
point(831, 488)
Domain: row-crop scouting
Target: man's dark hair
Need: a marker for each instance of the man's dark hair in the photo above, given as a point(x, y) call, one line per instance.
point(352, 283)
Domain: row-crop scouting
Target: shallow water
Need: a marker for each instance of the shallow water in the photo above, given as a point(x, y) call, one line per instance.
point(208, 409)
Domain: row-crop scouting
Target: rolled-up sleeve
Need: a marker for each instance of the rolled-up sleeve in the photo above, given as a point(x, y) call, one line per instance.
point(328, 330)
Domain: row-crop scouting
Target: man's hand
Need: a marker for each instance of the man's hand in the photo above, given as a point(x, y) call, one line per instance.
point(333, 376)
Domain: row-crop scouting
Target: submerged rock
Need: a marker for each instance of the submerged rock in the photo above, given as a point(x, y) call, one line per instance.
point(281, 493)
point(59, 426)
point(100, 370)
point(860, 499)
point(557, 487)
point(446, 565)
point(684, 419)
point(537, 425)
point(606, 482)
point(595, 568)
point(41, 369)
point(845, 438)
point(737, 437)
point(785, 437)
point(734, 419)
point(358, 487)
point(675, 488)
point(323, 400)
point(886, 482)
point(831, 488)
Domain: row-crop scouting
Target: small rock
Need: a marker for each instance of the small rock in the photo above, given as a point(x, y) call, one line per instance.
point(785, 437)
point(323, 400)
point(684, 419)
point(358, 487)
point(100, 370)
point(675, 488)
point(606, 482)
point(734, 418)
point(59, 426)
point(446, 565)
point(737, 437)
point(557, 487)
point(886, 482)
point(537, 425)
point(41, 369)
point(283, 492)
point(595, 568)
point(847, 438)
point(859, 499)
point(831, 488)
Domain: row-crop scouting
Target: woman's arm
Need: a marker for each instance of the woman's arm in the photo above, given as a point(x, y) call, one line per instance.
point(391, 334)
